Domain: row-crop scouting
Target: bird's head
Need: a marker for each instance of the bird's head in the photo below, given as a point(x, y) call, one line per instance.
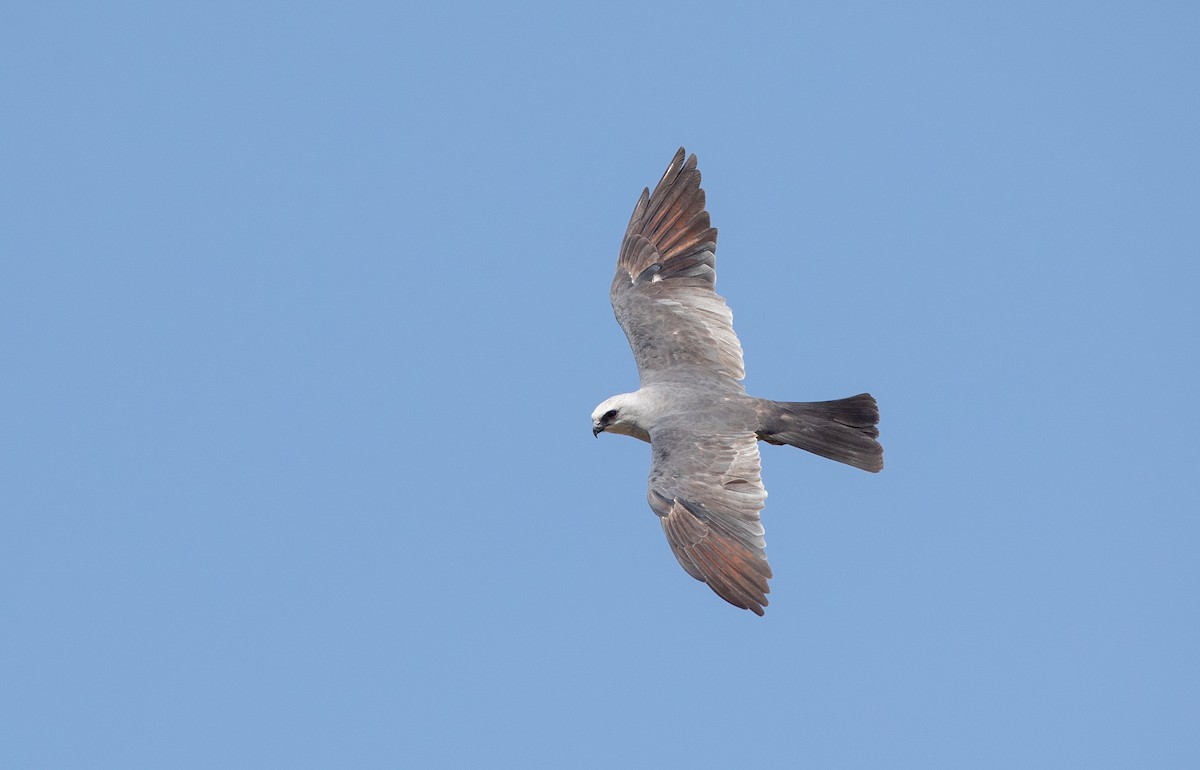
point(619, 414)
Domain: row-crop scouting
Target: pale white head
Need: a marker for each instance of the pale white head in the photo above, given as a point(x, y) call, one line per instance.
point(621, 414)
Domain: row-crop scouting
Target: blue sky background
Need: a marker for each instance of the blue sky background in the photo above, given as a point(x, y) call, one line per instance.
point(303, 312)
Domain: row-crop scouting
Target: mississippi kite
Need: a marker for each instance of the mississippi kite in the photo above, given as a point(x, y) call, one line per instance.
point(703, 428)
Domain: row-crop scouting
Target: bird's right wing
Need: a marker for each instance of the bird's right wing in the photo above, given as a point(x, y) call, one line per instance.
point(663, 292)
point(707, 491)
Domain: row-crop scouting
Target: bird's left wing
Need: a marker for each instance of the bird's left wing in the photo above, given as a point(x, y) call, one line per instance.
point(663, 291)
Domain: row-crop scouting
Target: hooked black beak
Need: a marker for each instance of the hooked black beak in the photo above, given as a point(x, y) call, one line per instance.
point(597, 430)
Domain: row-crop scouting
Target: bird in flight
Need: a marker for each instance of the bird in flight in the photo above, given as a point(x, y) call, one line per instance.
point(703, 429)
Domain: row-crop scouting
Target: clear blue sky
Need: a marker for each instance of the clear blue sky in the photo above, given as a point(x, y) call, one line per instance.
point(303, 312)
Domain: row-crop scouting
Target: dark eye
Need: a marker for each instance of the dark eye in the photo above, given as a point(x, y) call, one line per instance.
point(609, 416)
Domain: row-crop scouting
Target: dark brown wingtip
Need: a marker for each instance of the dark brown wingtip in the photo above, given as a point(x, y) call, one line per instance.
point(734, 572)
point(676, 165)
point(673, 221)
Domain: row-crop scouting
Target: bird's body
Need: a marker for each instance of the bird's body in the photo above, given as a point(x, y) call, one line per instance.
point(703, 428)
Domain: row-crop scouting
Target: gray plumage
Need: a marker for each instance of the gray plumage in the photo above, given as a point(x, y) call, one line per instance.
point(705, 482)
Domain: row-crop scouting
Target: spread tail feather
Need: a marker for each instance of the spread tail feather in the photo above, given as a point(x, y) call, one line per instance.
point(842, 430)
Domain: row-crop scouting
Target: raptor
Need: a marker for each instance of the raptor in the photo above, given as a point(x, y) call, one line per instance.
point(705, 479)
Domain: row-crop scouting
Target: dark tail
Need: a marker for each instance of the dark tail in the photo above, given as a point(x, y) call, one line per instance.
point(842, 430)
